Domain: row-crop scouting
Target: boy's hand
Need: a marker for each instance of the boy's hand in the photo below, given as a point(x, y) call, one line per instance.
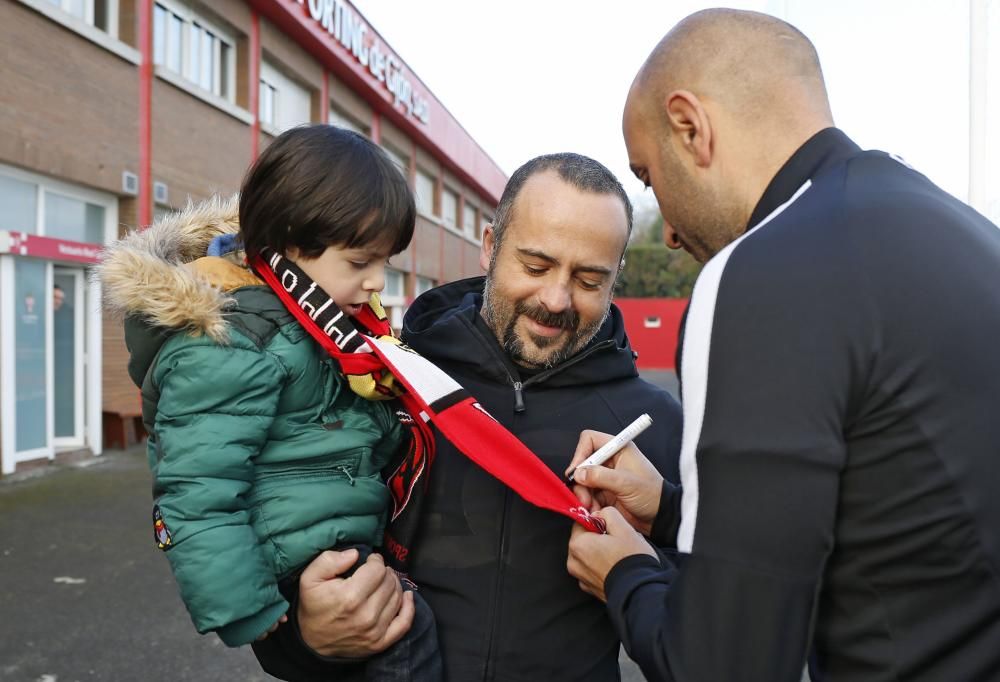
point(353, 617)
point(283, 619)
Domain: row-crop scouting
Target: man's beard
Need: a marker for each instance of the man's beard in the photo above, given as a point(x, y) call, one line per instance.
point(504, 321)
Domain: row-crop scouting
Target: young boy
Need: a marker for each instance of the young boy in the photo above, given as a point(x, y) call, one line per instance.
point(262, 454)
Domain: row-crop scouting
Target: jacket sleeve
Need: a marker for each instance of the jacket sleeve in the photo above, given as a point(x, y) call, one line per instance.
point(216, 405)
point(767, 382)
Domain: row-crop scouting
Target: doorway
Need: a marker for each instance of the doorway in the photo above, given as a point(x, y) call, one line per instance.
point(68, 357)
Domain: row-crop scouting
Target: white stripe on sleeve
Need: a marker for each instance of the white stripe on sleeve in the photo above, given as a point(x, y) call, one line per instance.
point(694, 373)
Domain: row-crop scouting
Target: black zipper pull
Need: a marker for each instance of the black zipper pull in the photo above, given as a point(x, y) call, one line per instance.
point(518, 398)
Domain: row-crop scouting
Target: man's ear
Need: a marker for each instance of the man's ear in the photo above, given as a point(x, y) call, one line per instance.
point(486, 249)
point(690, 126)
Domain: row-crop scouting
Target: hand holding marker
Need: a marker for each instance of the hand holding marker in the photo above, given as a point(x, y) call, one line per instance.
point(608, 450)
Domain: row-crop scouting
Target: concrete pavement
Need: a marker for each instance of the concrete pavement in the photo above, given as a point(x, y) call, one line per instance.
point(84, 593)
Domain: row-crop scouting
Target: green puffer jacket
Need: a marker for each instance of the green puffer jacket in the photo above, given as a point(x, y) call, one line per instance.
point(261, 455)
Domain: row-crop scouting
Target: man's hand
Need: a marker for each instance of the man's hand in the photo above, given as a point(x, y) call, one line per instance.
point(353, 617)
point(627, 482)
point(592, 555)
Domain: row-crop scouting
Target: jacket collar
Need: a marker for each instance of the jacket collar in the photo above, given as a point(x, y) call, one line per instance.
point(826, 148)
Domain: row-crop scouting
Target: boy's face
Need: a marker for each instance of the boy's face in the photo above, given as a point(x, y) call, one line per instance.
point(349, 276)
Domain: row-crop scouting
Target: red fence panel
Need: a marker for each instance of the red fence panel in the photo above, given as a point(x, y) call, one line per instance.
point(653, 325)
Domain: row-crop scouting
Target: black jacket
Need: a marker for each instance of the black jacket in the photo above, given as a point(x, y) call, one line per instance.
point(841, 455)
point(493, 567)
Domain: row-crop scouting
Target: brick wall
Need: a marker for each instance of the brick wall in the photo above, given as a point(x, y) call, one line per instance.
point(69, 106)
point(198, 150)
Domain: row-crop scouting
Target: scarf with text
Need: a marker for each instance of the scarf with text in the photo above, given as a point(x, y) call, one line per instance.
point(379, 367)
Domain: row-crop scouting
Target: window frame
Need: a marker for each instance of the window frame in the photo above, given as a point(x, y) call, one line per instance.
point(418, 284)
point(336, 116)
point(283, 85)
point(430, 213)
point(108, 40)
point(401, 160)
point(45, 184)
point(475, 228)
point(454, 225)
point(189, 18)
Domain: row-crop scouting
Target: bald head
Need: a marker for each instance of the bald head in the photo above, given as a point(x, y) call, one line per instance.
point(722, 102)
point(762, 70)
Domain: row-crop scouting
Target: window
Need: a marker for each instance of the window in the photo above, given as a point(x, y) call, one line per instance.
point(19, 200)
point(449, 208)
point(102, 14)
point(342, 120)
point(66, 212)
point(393, 284)
point(399, 159)
point(268, 93)
point(469, 223)
point(424, 284)
point(284, 103)
point(161, 211)
point(193, 48)
point(394, 297)
point(73, 219)
point(425, 192)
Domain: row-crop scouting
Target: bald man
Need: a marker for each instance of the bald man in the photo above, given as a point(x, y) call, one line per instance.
point(841, 390)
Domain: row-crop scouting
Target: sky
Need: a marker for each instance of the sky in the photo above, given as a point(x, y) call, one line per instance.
point(528, 77)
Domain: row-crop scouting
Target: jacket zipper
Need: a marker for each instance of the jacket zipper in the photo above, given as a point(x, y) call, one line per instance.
point(343, 470)
point(488, 671)
point(347, 472)
point(518, 396)
point(519, 407)
point(519, 386)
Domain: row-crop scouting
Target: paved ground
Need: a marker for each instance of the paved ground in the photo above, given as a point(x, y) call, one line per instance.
point(85, 596)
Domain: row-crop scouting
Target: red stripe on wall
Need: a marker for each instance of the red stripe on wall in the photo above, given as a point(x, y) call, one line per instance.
point(324, 98)
point(254, 94)
point(145, 212)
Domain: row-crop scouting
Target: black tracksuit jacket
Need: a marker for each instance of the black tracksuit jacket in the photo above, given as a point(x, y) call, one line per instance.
point(841, 458)
point(492, 566)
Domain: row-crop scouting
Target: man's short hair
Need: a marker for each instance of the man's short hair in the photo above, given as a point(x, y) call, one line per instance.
point(317, 186)
point(577, 170)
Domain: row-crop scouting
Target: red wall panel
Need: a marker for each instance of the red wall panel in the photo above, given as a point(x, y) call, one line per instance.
point(652, 325)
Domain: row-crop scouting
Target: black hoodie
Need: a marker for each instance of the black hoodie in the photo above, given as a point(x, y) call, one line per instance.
point(492, 566)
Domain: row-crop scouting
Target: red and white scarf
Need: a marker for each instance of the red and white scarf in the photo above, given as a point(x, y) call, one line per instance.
point(379, 367)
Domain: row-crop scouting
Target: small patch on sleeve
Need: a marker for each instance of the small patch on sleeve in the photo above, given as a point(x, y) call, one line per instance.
point(160, 531)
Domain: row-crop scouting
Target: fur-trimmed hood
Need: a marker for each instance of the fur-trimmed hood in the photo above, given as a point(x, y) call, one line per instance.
point(162, 275)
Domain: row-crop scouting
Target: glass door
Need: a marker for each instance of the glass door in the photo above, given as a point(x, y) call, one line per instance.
point(30, 367)
point(68, 356)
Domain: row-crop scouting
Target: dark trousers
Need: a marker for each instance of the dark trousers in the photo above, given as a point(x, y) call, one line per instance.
point(414, 658)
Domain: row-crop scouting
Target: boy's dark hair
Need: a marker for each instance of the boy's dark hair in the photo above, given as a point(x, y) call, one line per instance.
point(317, 186)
